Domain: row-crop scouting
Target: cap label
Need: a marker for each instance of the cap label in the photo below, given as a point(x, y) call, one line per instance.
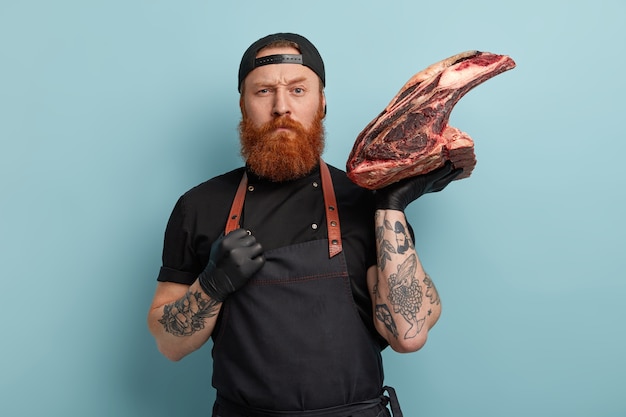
point(278, 59)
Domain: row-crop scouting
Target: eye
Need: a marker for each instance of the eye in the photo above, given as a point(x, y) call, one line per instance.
point(298, 90)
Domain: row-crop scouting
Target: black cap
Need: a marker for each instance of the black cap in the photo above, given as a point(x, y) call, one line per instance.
point(309, 56)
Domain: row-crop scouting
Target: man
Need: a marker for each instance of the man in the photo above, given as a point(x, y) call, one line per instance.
point(289, 267)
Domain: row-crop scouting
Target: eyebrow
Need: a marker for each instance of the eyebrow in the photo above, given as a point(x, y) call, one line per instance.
point(265, 83)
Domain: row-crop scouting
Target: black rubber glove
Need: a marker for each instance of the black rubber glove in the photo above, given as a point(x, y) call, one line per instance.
point(399, 195)
point(234, 259)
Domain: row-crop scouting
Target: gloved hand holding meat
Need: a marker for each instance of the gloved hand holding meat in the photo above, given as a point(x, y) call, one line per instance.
point(399, 195)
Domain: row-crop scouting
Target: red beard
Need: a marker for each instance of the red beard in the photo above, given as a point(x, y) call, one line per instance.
point(284, 155)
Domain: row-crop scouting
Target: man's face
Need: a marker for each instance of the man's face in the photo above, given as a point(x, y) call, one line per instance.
point(282, 135)
point(275, 90)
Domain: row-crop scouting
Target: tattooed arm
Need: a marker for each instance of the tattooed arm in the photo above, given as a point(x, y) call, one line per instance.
point(405, 301)
point(181, 318)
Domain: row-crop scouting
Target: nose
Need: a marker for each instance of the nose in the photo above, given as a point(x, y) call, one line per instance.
point(281, 104)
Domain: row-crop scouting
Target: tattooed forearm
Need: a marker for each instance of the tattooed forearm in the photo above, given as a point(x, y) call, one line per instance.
point(187, 315)
point(384, 315)
point(402, 288)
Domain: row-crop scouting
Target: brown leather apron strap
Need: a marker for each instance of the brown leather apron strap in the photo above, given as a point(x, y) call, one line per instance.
point(332, 214)
point(330, 203)
point(237, 207)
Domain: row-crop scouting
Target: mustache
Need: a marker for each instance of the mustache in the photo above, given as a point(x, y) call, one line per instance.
point(282, 122)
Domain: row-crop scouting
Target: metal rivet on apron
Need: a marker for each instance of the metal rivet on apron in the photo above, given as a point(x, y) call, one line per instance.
point(331, 208)
point(250, 187)
point(314, 226)
point(334, 242)
point(315, 184)
point(333, 223)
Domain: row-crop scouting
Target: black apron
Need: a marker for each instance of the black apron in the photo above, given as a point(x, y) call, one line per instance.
point(291, 341)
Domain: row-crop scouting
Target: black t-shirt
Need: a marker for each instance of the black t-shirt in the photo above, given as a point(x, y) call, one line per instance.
point(277, 214)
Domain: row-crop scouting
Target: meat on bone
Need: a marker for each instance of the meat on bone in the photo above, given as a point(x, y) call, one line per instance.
point(411, 135)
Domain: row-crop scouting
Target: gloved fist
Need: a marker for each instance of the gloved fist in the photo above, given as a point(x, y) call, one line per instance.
point(234, 259)
point(399, 195)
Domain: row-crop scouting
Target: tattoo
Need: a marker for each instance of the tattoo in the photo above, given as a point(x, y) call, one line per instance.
point(403, 240)
point(383, 314)
point(405, 291)
point(186, 316)
point(431, 291)
point(405, 294)
point(384, 246)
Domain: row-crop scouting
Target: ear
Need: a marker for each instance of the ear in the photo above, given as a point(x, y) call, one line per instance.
point(324, 103)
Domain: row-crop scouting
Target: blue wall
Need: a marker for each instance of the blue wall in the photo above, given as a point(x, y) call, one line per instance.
point(109, 110)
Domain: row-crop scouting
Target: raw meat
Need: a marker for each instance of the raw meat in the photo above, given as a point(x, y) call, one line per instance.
point(411, 135)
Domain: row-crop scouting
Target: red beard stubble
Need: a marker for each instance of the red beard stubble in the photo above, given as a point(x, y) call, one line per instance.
point(282, 156)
